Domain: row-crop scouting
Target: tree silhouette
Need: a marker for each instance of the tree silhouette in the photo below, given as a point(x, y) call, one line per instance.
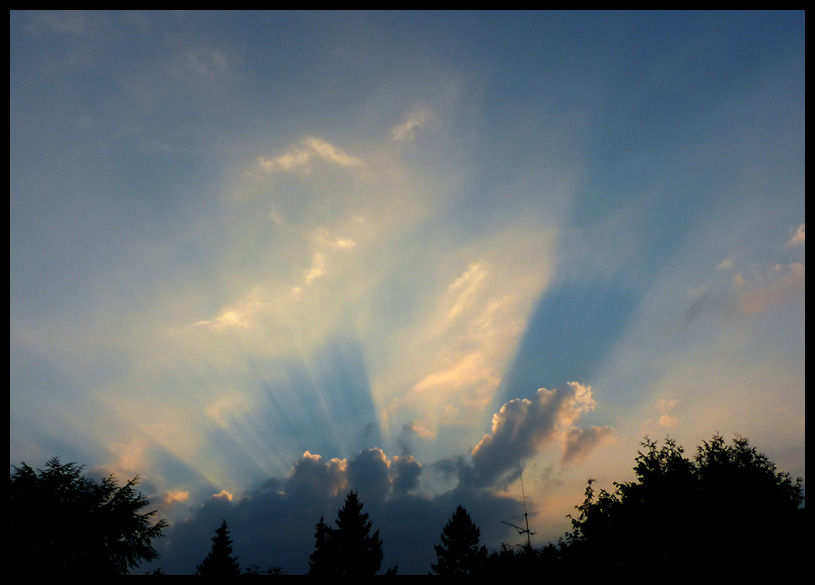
point(219, 562)
point(525, 561)
point(321, 561)
point(349, 549)
point(460, 551)
point(727, 511)
point(62, 522)
point(270, 570)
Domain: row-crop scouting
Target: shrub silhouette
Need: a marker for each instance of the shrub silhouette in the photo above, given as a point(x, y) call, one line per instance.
point(64, 523)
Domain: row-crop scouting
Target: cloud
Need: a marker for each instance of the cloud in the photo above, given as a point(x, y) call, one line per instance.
point(205, 62)
point(323, 243)
point(798, 239)
point(300, 158)
point(460, 345)
point(226, 319)
point(223, 495)
point(668, 404)
point(74, 22)
point(370, 472)
point(407, 129)
point(174, 497)
point(668, 421)
point(273, 524)
point(313, 478)
point(752, 288)
point(522, 426)
point(242, 313)
point(579, 443)
point(405, 473)
point(318, 265)
point(759, 289)
point(463, 291)
point(725, 264)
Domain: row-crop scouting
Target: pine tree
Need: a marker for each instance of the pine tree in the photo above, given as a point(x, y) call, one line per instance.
point(459, 552)
point(349, 549)
point(219, 562)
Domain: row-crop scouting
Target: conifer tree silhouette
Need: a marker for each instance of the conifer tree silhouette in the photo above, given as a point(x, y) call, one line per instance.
point(62, 522)
point(219, 562)
point(321, 561)
point(460, 551)
point(349, 549)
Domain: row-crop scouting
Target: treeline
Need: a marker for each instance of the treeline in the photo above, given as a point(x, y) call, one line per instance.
point(726, 512)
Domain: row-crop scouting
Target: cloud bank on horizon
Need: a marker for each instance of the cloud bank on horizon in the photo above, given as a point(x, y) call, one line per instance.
point(264, 259)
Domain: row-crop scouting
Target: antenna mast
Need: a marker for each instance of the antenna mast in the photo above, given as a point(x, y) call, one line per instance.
point(526, 516)
point(523, 495)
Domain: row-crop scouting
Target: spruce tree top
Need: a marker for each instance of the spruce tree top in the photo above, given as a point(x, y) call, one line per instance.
point(219, 562)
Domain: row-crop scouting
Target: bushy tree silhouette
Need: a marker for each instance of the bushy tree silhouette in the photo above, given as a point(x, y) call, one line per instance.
point(220, 562)
point(522, 561)
point(727, 511)
point(62, 522)
point(460, 551)
point(349, 549)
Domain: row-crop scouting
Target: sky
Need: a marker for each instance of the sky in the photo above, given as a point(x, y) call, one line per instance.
point(264, 258)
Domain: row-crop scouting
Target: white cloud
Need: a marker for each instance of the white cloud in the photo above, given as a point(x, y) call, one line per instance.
point(522, 426)
point(322, 237)
point(458, 347)
point(370, 471)
point(205, 62)
point(223, 495)
point(758, 290)
point(668, 404)
point(579, 443)
point(239, 314)
point(725, 264)
point(311, 477)
point(463, 291)
point(174, 497)
point(668, 421)
point(465, 384)
point(318, 265)
point(462, 348)
point(74, 22)
point(330, 153)
point(407, 129)
point(798, 239)
point(300, 158)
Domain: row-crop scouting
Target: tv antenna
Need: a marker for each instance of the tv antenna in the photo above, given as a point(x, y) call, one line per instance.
point(521, 530)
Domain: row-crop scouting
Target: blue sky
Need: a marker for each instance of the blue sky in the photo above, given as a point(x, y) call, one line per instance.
point(262, 258)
